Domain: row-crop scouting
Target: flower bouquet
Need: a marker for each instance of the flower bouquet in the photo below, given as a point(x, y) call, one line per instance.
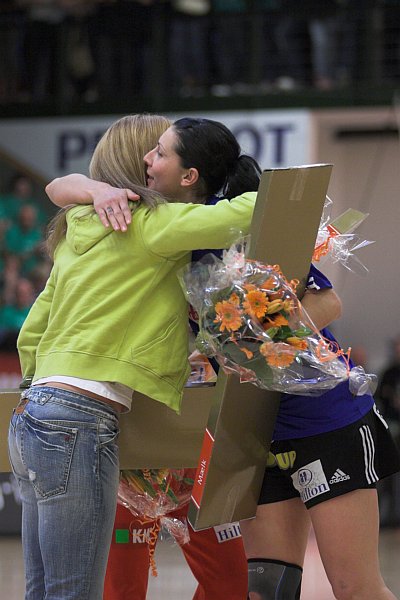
point(251, 320)
point(151, 494)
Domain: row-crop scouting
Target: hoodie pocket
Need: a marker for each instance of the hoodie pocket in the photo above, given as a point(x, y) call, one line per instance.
point(166, 354)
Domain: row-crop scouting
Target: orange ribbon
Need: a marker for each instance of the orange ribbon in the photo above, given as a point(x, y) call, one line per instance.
point(323, 249)
point(151, 541)
point(334, 351)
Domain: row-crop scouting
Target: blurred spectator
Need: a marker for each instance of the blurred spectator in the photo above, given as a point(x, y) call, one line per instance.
point(39, 275)
point(323, 31)
point(112, 51)
point(308, 43)
point(335, 29)
point(139, 14)
point(189, 46)
point(4, 223)
point(11, 40)
point(352, 35)
point(120, 36)
point(20, 192)
point(389, 388)
point(24, 238)
point(389, 403)
point(42, 47)
point(105, 43)
point(13, 314)
point(230, 47)
point(9, 277)
point(79, 61)
point(359, 356)
point(24, 269)
point(292, 45)
point(391, 39)
point(271, 64)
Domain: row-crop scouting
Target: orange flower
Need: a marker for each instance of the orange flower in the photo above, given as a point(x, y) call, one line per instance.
point(249, 287)
point(266, 348)
point(234, 299)
point(228, 315)
point(256, 303)
point(277, 321)
point(297, 343)
point(269, 284)
point(278, 354)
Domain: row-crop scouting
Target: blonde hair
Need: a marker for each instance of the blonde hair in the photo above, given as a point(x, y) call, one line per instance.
point(118, 160)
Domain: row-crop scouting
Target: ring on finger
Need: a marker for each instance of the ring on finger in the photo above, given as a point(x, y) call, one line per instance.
point(110, 210)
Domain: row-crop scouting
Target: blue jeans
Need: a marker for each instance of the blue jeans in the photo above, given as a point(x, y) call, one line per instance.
point(64, 455)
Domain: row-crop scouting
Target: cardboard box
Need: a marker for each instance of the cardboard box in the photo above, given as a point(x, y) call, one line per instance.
point(242, 417)
point(152, 435)
point(8, 400)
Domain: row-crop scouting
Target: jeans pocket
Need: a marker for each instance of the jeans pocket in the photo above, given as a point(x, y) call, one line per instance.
point(13, 454)
point(108, 446)
point(13, 423)
point(46, 451)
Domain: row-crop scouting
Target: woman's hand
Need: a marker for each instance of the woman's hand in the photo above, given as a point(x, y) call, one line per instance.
point(110, 203)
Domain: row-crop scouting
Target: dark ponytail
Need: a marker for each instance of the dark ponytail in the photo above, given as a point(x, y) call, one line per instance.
point(245, 177)
point(213, 150)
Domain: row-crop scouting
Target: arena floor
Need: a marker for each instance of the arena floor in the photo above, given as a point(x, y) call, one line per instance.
point(175, 582)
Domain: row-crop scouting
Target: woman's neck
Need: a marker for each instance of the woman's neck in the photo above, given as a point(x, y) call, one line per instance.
point(191, 196)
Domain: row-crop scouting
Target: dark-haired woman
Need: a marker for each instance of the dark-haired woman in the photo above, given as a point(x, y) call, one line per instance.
point(195, 161)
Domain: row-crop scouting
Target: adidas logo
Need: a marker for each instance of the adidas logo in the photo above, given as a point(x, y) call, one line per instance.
point(339, 476)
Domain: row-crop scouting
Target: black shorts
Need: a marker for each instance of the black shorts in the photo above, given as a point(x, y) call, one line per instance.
point(324, 466)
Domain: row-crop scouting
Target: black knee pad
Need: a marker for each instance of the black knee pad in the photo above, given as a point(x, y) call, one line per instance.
point(274, 579)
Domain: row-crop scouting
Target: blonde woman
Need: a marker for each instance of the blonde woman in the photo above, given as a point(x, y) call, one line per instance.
point(111, 319)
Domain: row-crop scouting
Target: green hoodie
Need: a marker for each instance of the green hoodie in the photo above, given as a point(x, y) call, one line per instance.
point(113, 308)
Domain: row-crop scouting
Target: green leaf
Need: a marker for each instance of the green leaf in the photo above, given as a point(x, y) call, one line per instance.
point(302, 332)
point(284, 333)
point(272, 331)
point(173, 497)
point(188, 480)
point(257, 364)
point(147, 486)
point(232, 351)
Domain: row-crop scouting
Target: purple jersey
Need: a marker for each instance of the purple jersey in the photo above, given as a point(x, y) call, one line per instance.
point(303, 416)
